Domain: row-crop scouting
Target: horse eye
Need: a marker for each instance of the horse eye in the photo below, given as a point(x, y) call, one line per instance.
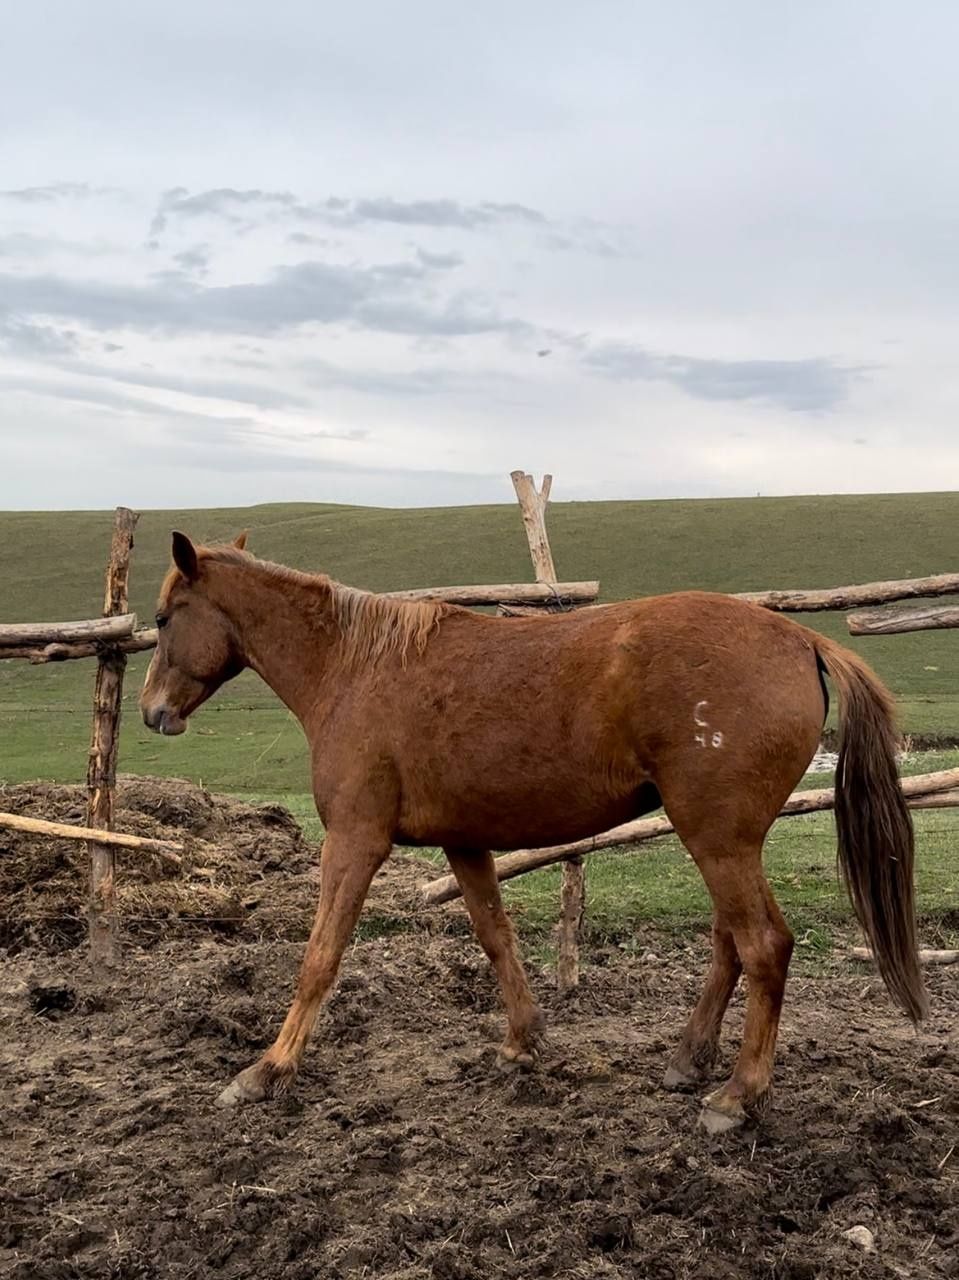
point(161, 620)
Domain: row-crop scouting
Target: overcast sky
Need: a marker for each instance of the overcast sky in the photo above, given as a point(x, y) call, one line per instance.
point(385, 253)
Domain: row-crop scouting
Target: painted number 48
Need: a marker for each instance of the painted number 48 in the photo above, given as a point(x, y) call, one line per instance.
point(704, 737)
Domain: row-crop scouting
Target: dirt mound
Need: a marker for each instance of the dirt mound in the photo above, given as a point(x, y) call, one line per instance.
point(402, 1152)
point(247, 869)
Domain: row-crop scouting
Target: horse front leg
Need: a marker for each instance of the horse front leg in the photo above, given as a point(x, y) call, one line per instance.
point(475, 873)
point(347, 865)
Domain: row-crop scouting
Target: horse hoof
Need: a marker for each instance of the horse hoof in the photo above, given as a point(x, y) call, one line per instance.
point(514, 1059)
point(716, 1122)
point(241, 1091)
point(676, 1078)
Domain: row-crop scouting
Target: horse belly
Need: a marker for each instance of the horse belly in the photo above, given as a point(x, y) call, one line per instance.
point(520, 818)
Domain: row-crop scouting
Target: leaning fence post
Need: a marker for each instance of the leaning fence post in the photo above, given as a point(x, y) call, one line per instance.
point(104, 742)
point(533, 504)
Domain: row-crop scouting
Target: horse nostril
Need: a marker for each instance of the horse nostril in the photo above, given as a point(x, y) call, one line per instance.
point(152, 717)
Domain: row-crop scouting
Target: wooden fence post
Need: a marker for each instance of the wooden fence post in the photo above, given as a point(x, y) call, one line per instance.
point(105, 740)
point(533, 504)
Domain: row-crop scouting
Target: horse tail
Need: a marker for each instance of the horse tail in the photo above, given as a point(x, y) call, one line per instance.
point(874, 826)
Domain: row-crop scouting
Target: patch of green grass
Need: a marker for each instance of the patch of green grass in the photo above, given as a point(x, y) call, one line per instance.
point(300, 805)
point(661, 885)
point(658, 884)
point(244, 740)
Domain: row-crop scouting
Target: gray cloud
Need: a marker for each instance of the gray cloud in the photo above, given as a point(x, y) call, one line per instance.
point(222, 202)
point(439, 261)
point(23, 244)
point(106, 398)
point(700, 222)
point(261, 397)
point(235, 451)
point(306, 238)
point(427, 213)
point(410, 383)
point(376, 298)
point(53, 192)
point(588, 239)
point(247, 207)
point(195, 259)
point(242, 430)
point(797, 385)
point(22, 338)
point(29, 245)
point(179, 424)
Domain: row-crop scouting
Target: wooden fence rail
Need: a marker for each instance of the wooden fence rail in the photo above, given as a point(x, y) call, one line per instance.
point(63, 642)
point(923, 791)
point(840, 598)
point(17, 634)
point(889, 622)
point(170, 850)
point(136, 643)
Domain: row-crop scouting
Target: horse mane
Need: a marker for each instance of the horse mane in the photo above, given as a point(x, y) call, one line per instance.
point(372, 627)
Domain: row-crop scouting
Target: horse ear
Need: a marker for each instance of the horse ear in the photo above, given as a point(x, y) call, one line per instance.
point(184, 556)
point(240, 541)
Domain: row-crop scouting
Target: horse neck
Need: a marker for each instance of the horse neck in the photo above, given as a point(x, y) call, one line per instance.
point(284, 625)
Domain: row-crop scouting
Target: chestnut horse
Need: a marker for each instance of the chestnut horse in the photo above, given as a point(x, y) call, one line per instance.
point(432, 725)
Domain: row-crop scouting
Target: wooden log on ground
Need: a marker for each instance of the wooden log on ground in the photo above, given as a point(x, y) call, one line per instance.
point(504, 593)
point(104, 743)
point(169, 850)
point(926, 955)
point(510, 865)
point(922, 791)
point(816, 600)
point(17, 634)
point(889, 622)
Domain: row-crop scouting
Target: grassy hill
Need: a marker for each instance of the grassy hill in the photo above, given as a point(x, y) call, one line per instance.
point(53, 563)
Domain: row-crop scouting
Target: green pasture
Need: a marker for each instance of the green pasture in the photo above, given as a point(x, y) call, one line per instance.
point(244, 740)
point(656, 885)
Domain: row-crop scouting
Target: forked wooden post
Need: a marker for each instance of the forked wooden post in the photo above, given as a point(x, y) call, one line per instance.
point(105, 740)
point(533, 504)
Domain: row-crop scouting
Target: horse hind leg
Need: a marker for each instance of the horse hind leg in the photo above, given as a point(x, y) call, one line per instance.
point(745, 909)
point(764, 943)
point(475, 873)
point(698, 1050)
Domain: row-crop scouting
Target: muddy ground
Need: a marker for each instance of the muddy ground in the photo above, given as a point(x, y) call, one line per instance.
point(403, 1152)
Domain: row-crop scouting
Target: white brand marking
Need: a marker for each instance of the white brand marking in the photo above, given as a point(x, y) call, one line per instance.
point(704, 737)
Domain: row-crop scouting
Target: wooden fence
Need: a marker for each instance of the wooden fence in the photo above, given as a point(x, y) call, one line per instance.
point(112, 637)
point(109, 639)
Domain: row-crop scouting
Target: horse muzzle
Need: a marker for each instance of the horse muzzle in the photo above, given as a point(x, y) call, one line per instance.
point(163, 720)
